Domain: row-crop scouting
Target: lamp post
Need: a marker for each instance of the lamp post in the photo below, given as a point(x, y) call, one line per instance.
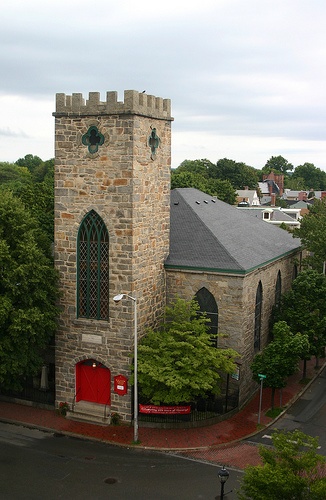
point(117, 299)
point(223, 474)
point(261, 378)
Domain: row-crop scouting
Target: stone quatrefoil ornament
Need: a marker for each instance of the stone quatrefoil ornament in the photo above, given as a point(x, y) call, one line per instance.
point(93, 139)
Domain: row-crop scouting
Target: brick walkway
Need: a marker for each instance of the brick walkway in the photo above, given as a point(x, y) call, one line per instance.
point(219, 443)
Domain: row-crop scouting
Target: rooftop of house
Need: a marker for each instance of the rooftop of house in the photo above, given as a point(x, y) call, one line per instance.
point(293, 194)
point(300, 203)
point(248, 194)
point(268, 186)
point(208, 234)
point(277, 214)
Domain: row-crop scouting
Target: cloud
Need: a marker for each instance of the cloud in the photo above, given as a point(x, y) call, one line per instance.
point(250, 71)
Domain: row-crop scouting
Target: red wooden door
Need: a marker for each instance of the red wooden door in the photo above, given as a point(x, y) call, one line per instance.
point(93, 383)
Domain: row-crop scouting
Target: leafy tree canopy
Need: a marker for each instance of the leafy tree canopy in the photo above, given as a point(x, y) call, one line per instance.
point(314, 177)
point(195, 167)
point(29, 161)
point(277, 164)
point(292, 469)
point(179, 363)
point(186, 179)
point(12, 175)
point(280, 358)
point(239, 174)
point(304, 308)
point(295, 183)
point(28, 291)
point(38, 168)
point(312, 233)
point(223, 190)
point(35, 188)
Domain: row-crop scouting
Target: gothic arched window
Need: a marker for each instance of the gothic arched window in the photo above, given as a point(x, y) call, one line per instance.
point(278, 290)
point(93, 268)
point(207, 304)
point(294, 272)
point(258, 311)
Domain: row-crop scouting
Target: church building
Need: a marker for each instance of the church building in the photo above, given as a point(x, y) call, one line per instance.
point(120, 230)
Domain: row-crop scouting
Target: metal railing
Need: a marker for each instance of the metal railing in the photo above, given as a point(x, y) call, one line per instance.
point(201, 410)
point(30, 393)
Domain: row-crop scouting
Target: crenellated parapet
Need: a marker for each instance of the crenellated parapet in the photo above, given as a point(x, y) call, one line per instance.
point(135, 103)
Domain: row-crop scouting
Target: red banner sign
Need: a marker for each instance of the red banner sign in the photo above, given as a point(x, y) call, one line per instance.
point(164, 410)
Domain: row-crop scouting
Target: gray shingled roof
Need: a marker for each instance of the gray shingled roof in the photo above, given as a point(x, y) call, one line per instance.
point(210, 234)
point(276, 215)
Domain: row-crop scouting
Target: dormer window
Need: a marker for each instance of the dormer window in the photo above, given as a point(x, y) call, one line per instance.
point(267, 214)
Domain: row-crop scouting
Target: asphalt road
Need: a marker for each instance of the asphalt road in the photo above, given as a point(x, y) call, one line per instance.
point(308, 414)
point(38, 465)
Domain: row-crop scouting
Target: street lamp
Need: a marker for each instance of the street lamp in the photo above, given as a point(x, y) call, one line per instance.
point(223, 474)
point(117, 299)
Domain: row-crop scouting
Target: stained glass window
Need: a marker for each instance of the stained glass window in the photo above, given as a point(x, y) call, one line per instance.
point(93, 268)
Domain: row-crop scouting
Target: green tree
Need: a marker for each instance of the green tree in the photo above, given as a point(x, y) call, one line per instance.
point(294, 183)
point(304, 309)
point(36, 190)
point(292, 470)
point(29, 161)
point(38, 168)
point(44, 171)
point(277, 164)
point(28, 292)
point(312, 234)
point(12, 175)
point(188, 179)
point(179, 363)
point(239, 174)
point(223, 190)
point(280, 357)
point(314, 177)
point(195, 167)
point(38, 197)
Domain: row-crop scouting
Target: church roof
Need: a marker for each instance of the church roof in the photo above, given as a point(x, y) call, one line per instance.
point(208, 234)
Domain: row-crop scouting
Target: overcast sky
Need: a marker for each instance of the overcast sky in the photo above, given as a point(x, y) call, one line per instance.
point(246, 77)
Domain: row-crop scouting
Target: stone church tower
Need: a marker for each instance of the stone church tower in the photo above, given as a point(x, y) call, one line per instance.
point(112, 209)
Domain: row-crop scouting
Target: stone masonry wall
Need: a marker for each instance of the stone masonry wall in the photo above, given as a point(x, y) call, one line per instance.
point(129, 187)
point(236, 297)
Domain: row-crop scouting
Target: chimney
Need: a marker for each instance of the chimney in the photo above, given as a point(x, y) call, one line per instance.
point(273, 199)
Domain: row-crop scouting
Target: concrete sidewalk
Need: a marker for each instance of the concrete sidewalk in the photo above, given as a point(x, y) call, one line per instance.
point(219, 443)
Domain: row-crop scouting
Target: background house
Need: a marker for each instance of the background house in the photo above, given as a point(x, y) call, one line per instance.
point(248, 195)
point(277, 216)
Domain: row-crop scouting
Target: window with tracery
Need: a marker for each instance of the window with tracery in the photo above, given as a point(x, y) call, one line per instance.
point(93, 268)
point(258, 314)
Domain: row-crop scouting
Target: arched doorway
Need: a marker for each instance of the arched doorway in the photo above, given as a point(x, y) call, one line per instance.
point(93, 382)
